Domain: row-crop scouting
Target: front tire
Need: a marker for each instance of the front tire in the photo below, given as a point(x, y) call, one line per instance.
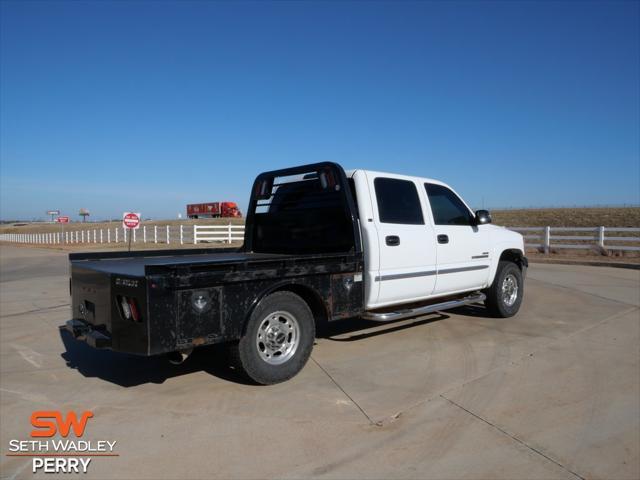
point(277, 341)
point(505, 294)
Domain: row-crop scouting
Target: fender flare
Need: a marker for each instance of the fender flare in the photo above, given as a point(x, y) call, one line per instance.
point(309, 295)
point(507, 251)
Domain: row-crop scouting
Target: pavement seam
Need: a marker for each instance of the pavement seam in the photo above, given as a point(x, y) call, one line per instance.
point(513, 437)
point(36, 311)
point(345, 392)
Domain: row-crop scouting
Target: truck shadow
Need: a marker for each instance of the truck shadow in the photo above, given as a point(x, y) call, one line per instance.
point(132, 370)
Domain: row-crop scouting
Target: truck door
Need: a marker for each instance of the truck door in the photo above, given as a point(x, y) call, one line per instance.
point(407, 267)
point(463, 247)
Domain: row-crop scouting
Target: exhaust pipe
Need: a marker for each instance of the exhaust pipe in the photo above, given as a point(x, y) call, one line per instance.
point(178, 357)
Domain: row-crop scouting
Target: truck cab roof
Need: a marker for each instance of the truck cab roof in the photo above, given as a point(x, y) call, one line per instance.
point(351, 172)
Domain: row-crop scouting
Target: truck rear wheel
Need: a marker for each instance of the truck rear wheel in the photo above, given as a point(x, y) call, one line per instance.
point(504, 296)
point(278, 339)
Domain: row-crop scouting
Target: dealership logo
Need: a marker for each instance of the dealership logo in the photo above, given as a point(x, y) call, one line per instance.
point(46, 427)
point(57, 445)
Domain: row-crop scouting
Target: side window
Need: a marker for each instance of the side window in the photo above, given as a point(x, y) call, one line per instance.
point(398, 201)
point(447, 207)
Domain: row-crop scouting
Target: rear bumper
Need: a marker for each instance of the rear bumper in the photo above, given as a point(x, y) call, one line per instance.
point(86, 332)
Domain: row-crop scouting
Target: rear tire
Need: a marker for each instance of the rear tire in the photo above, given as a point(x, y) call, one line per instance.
point(505, 294)
point(277, 341)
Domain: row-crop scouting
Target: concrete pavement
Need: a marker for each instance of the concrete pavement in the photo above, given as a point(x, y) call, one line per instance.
point(551, 393)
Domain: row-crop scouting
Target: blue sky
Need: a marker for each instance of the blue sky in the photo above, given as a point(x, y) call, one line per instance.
point(147, 106)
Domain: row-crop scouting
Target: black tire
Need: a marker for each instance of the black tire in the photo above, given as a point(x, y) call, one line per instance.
point(499, 304)
point(249, 355)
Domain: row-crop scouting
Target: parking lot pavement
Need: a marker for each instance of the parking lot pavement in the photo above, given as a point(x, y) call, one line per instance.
point(551, 393)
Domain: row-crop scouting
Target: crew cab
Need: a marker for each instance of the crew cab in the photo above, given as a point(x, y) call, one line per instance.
point(321, 245)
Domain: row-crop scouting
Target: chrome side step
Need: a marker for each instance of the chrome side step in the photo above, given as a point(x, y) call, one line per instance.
point(414, 312)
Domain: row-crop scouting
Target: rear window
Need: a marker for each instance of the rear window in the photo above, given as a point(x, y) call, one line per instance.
point(304, 213)
point(398, 201)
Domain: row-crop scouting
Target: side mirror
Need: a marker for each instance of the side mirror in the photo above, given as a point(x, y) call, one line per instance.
point(483, 217)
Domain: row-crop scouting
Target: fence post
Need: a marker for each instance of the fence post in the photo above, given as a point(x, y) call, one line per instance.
point(134, 236)
point(229, 233)
point(195, 236)
point(601, 237)
point(547, 239)
point(181, 236)
point(155, 234)
point(168, 235)
point(144, 234)
point(124, 234)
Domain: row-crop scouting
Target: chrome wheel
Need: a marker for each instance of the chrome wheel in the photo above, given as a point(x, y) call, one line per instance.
point(278, 337)
point(509, 290)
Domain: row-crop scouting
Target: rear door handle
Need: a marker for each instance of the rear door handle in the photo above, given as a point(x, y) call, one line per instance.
point(392, 240)
point(443, 238)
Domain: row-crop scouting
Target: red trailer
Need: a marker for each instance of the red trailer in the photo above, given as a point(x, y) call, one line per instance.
point(213, 210)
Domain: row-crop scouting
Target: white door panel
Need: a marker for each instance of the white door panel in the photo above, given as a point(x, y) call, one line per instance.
point(463, 247)
point(407, 268)
point(463, 262)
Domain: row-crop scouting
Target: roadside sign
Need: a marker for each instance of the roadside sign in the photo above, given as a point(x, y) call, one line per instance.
point(53, 213)
point(62, 219)
point(131, 220)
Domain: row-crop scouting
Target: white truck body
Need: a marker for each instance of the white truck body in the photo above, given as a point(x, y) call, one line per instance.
point(420, 267)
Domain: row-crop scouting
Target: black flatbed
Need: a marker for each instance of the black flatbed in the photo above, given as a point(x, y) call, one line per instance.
point(135, 265)
point(301, 242)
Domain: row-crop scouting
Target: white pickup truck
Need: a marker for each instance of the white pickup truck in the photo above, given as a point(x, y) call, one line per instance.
point(321, 245)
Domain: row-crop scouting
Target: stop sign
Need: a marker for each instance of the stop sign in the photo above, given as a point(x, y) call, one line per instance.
point(131, 220)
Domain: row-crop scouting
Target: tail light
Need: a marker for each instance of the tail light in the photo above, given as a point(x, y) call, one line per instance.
point(129, 308)
point(135, 313)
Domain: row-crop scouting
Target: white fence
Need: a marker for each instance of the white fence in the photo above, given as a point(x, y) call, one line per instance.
point(218, 233)
point(168, 234)
point(600, 239)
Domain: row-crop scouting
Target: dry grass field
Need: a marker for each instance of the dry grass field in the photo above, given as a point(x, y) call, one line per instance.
point(568, 217)
point(554, 217)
